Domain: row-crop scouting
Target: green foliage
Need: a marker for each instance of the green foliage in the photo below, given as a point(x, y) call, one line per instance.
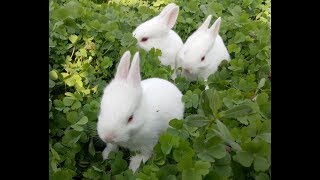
point(226, 133)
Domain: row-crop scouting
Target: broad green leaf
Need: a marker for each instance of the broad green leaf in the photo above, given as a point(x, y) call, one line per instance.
point(213, 175)
point(216, 102)
point(175, 123)
point(239, 37)
point(65, 75)
point(58, 103)
point(95, 24)
point(53, 164)
point(244, 158)
point(63, 174)
point(223, 161)
point(66, 109)
point(55, 154)
point(196, 120)
point(78, 96)
point(97, 169)
point(262, 176)
point(59, 23)
point(266, 109)
point(209, 149)
point(237, 111)
point(190, 174)
point(91, 174)
point(51, 83)
point(128, 40)
point(266, 137)
point(224, 170)
point(52, 43)
point(202, 168)
point(106, 63)
point(70, 95)
point(70, 137)
point(86, 91)
point(61, 14)
point(167, 142)
point(77, 127)
point(183, 149)
point(158, 3)
point(234, 145)
point(210, 101)
point(228, 102)
point(91, 148)
point(73, 38)
point(243, 120)
point(205, 156)
point(262, 98)
point(247, 2)
point(260, 163)
point(72, 117)
point(67, 101)
point(53, 75)
point(83, 120)
point(171, 177)
point(76, 105)
point(186, 162)
point(223, 131)
point(118, 165)
point(235, 11)
point(217, 151)
point(82, 53)
point(192, 6)
point(261, 83)
point(79, 82)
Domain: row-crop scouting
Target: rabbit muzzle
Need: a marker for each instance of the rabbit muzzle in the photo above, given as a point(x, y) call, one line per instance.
point(109, 138)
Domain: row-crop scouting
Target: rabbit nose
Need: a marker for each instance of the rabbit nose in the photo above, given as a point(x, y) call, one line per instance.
point(109, 138)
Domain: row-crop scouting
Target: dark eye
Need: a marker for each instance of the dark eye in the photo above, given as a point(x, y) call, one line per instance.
point(144, 39)
point(130, 118)
point(202, 58)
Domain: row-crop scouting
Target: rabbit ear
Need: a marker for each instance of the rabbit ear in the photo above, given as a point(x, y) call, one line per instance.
point(205, 24)
point(123, 67)
point(134, 77)
point(170, 17)
point(214, 29)
point(166, 9)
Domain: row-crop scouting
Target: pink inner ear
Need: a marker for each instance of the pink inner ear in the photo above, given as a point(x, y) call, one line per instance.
point(122, 74)
point(134, 77)
point(123, 66)
point(171, 17)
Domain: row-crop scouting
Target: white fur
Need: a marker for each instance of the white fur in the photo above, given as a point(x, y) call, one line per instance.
point(160, 35)
point(153, 103)
point(205, 42)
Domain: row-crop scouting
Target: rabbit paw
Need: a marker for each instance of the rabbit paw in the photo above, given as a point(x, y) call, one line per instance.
point(108, 149)
point(174, 76)
point(136, 161)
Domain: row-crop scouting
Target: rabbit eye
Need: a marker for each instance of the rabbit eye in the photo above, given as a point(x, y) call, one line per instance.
point(130, 118)
point(202, 58)
point(144, 39)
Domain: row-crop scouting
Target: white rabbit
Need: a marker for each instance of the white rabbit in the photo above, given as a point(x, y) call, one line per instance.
point(157, 33)
point(203, 52)
point(134, 113)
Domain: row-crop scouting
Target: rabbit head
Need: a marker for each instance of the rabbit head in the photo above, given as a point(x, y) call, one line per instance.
point(192, 56)
point(151, 33)
point(116, 121)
